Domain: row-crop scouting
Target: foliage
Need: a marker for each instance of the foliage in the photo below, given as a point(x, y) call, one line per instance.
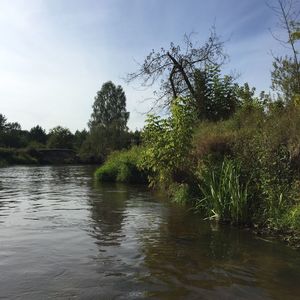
point(79, 138)
point(11, 134)
point(284, 78)
point(122, 166)
point(10, 156)
point(225, 197)
point(175, 67)
point(270, 148)
point(60, 137)
point(38, 134)
point(109, 108)
point(215, 96)
point(214, 140)
point(180, 193)
point(108, 123)
point(286, 70)
point(167, 144)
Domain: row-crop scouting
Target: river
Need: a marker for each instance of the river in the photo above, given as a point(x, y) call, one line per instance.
point(65, 236)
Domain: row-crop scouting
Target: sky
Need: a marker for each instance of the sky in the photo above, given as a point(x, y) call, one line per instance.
point(56, 54)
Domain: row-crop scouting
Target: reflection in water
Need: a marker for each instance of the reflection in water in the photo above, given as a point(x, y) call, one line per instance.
point(193, 259)
point(64, 236)
point(107, 213)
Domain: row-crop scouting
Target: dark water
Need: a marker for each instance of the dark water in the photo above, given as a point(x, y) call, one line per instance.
point(63, 236)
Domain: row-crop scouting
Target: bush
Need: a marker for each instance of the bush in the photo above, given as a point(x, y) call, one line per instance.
point(167, 145)
point(267, 144)
point(16, 156)
point(122, 166)
point(214, 139)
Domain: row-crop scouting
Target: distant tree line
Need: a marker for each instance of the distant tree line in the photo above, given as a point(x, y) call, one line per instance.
point(107, 130)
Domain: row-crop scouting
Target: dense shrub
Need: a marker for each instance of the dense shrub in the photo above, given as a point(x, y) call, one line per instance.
point(167, 146)
point(16, 156)
point(264, 142)
point(214, 139)
point(122, 166)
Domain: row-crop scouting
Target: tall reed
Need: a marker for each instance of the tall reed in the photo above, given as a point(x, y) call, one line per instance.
point(224, 198)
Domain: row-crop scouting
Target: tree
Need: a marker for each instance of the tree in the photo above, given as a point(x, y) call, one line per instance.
point(285, 78)
point(286, 70)
point(109, 108)
point(176, 66)
point(79, 138)
point(216, 97)
point(108, 123)
point(60, 137)
point(167, 144)
point(11, 134)
point(38, 134)
point(3, 123)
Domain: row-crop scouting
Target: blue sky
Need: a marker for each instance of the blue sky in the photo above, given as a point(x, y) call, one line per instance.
point(56, 54)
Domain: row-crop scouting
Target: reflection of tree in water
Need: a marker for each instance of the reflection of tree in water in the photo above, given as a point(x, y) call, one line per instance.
point(107, 205)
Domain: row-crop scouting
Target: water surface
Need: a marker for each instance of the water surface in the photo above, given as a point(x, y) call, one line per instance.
point(64, 236)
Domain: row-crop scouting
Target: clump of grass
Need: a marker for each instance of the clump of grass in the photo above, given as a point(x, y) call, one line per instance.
point(122, 166)
point(225, 198)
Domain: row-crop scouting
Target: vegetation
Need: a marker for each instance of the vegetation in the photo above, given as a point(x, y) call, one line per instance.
point(225, 198)
point(167, 141)
point(107, 132)
point(230, 153)
point(122, 166)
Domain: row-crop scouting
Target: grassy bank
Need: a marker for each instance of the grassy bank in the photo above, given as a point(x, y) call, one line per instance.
point(33, 156)
point(10, 156)
point(244, 170)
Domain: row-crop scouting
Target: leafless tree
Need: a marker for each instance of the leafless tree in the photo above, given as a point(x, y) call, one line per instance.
point(174, 68)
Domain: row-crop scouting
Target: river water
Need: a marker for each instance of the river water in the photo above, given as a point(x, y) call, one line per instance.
point(64, 236)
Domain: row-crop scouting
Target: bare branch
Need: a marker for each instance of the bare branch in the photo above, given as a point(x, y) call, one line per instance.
point(175, 68)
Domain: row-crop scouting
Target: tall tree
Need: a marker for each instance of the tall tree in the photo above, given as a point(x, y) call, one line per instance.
point(38, 134)
point(60, 137)
point(109, 108)
point(108, 123)
point(216, 97)
point(3, 123)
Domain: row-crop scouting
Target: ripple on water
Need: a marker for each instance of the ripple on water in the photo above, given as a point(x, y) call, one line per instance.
point(64, 236)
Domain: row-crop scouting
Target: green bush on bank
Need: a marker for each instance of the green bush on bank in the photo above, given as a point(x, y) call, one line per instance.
point(122, 166)
point(10, 156)
point(266, 143)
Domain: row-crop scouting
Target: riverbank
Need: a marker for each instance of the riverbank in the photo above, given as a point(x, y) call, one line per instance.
point(244, 170)
point(33, 156)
